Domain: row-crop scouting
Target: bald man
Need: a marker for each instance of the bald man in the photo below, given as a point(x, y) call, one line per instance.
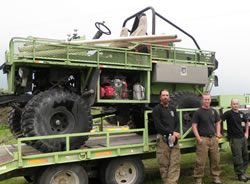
point(237, 138)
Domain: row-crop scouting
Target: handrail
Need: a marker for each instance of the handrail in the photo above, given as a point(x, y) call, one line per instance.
point(67, 137)
point(59, 49)
point(107, 134)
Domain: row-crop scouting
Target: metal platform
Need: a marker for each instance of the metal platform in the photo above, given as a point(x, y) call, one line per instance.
point(7, 151)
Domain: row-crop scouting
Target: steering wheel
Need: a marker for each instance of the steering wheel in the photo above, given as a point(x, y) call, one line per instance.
point(102, 28)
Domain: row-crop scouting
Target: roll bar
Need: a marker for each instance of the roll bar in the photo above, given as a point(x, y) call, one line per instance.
point(154, 14)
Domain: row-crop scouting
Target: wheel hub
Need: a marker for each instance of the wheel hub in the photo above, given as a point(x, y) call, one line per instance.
point(65, 177)
point(187, 117)
point(59, 122)
point(125, 173)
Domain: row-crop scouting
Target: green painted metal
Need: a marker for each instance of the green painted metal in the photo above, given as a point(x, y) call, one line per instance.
point(84, 84)
point(33, 52)
point(225, 100)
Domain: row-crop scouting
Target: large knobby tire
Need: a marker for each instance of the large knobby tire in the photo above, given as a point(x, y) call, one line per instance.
point(185, 99)
point(137, 120)
point(68, 173)
point(56, 112)
point(14, 122)
point(127, 170)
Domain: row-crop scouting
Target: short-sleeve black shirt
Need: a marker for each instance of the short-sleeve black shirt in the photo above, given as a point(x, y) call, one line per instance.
point(206, 120)
point(166, 119)
point(234, 120)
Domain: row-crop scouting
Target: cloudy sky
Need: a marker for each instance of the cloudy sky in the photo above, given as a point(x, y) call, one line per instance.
point(222, 26)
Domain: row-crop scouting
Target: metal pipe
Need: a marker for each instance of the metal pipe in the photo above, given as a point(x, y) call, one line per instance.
point(138, 13)
point(171, 23)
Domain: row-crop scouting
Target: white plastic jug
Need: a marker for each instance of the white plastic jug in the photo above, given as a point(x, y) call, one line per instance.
point(138, 92)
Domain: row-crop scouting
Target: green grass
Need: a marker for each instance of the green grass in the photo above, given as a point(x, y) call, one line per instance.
point(4, 133)
point(187, 166)
point(152, 174)
point(19, 180)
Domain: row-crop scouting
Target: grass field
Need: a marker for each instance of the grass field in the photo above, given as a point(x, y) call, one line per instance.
point(152, 175)
point(187, 167)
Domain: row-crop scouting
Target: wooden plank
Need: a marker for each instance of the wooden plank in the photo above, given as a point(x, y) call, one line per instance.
point(4, 155)
point(117, 140)
point(127, 39)
point(158, 42)
point(55, 48)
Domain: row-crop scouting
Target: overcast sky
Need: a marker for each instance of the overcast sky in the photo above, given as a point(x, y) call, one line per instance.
point(222, 26)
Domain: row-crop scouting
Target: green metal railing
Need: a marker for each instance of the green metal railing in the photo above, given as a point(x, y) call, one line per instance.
point(183, 55)
point(62, 53)
point(45, 51)
point(107, 134)
point(66, 156)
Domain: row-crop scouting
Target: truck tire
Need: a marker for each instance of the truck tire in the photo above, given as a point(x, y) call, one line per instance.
point(14, 122)
point(126, 170)
point(185, 99)
point(137, 120)
point(68, 173)
point(56, 112)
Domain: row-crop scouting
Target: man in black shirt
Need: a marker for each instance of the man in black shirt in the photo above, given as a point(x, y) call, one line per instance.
point(205, 125)
point(167, 125)
point(238, 138)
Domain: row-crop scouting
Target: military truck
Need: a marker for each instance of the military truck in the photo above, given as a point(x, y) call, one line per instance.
point(53, 84)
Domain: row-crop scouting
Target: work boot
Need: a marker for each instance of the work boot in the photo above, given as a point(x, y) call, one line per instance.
point(242, 177)
point(216, 180)
point(248, 178)
point(198, 180)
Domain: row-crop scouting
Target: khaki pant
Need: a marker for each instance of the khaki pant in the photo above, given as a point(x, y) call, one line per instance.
point(169, 161)
point(210, 147)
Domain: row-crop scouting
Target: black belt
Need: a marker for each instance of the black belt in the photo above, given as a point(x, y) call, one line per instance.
point(209, 136)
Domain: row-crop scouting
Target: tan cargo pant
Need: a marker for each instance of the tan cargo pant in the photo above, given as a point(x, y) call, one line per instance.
point(210, 147)
point(169, 162)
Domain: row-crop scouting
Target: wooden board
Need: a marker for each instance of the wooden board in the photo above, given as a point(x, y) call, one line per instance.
point(158, 42)
point(127, 39)
point(116, 42)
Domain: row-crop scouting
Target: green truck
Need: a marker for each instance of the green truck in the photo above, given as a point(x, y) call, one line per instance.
point(54, 85)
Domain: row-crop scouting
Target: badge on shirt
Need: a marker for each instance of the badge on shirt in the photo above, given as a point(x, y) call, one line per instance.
point(172, 113)
point(212, 112)
point(241, 115)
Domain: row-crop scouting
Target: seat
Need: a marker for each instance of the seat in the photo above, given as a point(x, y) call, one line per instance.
point(124, 32)
point(139, 27)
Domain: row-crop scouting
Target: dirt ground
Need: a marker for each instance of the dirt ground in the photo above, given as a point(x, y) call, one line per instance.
point(4, 115)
